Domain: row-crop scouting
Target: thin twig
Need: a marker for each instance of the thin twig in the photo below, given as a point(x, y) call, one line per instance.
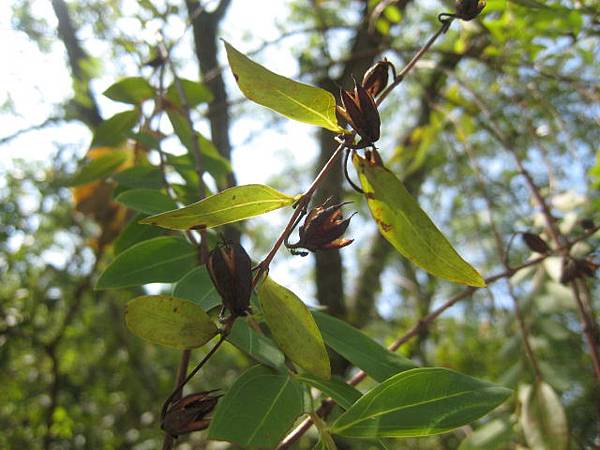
point(402, 74)
point(301, 204)
point(185, 379)
point(504, 258)
point(588, 322)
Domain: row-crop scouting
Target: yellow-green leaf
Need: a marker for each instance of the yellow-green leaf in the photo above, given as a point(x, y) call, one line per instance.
point(295, 100)
point(293, 328)
point(169, 321)
point(231, 205)
point(408, 228)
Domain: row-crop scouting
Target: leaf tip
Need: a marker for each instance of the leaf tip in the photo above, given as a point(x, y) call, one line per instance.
point(477, 280)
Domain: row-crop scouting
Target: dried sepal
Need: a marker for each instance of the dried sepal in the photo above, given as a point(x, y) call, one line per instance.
point(573, 268)
point(360, 111)
point(375, 78)
point(230, 270)
point(189, 413)
point(322, 230)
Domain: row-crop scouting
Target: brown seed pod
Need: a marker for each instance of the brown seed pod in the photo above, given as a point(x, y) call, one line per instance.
point(375, 78)
point(587, 267)
point(568, 271)
point(587, 224)
point(360, 111)
point(230, 270)
point(573, 268)
point(188, 413)
point(322, 230)
point(535, 243)
point(468, 9)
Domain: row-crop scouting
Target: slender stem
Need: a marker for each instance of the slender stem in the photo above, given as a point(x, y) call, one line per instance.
point(402, 74)
point(504, 255)
point(180, 377)
point(302, 203)
point(588, 327)
point(185, 379)
point(524, 333)
point(185, 108)
point(305, 199)
point(589, 324)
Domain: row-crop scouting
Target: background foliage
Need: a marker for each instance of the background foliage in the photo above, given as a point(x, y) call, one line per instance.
point(501, 103)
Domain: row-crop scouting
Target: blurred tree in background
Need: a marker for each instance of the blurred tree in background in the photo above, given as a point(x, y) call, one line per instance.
point(495, 131)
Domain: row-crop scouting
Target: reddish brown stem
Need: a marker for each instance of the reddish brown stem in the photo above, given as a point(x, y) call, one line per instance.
point(409, 66)
point(301, 204)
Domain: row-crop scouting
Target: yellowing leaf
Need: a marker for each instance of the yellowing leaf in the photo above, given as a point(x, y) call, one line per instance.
point(294, 328)
point(408, 228)
point(295, 100)
point(169, 321)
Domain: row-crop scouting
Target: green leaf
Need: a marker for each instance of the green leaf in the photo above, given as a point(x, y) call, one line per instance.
point(94, 169)
point(295, 100)
point(359, 349)
point(294, 328)
point(160, 260)
point(197, 287)
point(258, 409)
point(419, 402)
point(133, 90)
point(144, 177)
point(406, 226)
point(147, 201)
point(231, 205)
point(169, 321)
point(340, 391)
point(134, 233)
point(195, 93)
point(257, 346)
point(113, 131)
point(543, 418)
point(494, 435)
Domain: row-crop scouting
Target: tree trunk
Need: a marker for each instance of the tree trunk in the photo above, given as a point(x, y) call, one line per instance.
point(86, 108)
point(205, 28)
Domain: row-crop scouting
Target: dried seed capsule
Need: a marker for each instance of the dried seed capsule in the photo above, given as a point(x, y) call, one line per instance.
point(535, 243)
point(369, 108)
point(188, 413)
point(568, 271)
point(586, 267)
point(322, 229)
point(587, 224)
point(468, 9)
point(360, 111)
point(230, 270)
point(376, 78)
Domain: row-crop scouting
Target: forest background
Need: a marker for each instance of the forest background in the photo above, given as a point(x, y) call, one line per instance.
point(495, 131)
